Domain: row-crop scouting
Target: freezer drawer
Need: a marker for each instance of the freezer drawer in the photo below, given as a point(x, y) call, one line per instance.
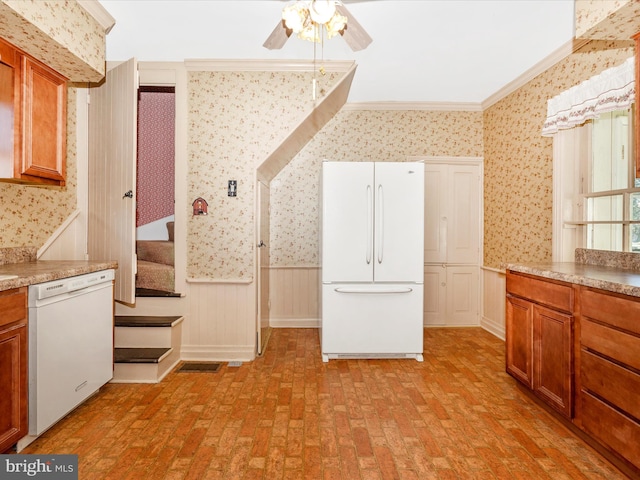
point(372, 321)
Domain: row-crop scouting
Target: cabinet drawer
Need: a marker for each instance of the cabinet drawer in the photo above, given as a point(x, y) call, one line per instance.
point(617, 431)
point(13, 305)
point(619, 312)
point(611, 382)
point(612, 343)
point(554, 295)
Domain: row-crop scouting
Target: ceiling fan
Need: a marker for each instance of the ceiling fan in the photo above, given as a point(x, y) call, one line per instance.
point(331, 14)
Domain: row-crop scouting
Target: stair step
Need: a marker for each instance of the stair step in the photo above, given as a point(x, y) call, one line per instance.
point(147, 292)
point(146, 321)
point(140, 355)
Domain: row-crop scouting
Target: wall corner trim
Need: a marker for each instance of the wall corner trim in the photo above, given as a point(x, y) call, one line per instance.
point(97, 11)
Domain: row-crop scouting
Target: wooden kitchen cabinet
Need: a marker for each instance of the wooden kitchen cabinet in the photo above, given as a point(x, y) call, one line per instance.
point(13, 367)
point(33, 141)
point(608, 399)
point(519, 334)
point(539, 338)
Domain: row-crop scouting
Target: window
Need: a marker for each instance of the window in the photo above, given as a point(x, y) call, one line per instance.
point(611, 198)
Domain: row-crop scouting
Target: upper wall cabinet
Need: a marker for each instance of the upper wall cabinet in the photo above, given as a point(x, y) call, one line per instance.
point(33, 98)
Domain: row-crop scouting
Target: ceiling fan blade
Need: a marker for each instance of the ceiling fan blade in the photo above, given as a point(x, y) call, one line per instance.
point(278, 37)
point(355, 36)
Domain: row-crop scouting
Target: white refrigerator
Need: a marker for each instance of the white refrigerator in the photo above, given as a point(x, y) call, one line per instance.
point(372, 260)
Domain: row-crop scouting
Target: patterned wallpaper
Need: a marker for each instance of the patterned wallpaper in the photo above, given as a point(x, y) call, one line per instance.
point(155, 192)
point(29, 215)
point(353, 135)
point(236, 119)
point(59, 33)
point(518, 161)
point(607, 20)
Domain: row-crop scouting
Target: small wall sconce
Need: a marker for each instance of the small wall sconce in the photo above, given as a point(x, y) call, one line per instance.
point(199, 206)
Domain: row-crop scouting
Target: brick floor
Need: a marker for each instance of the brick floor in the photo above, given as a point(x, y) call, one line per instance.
point(287, 415)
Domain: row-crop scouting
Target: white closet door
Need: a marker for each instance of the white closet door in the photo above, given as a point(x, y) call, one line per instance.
point(435, 295)
point(453, 215)
point(462, 295)
point(435, 220)
point(463, 214)
point(112, 175)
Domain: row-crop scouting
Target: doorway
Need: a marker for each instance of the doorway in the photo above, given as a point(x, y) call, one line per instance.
point(263, 261)
point(155, 191)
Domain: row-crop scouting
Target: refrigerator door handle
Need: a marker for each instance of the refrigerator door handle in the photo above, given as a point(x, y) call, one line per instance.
point(365, 290)
point(369, 224)
point(380, 223)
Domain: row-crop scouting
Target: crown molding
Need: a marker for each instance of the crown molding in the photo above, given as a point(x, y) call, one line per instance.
point(560, 54)
point(97, 11)
point(276, 65)
point(425, 106)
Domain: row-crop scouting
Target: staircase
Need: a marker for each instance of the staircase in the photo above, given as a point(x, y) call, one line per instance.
point(147, 348)
point(156, 271)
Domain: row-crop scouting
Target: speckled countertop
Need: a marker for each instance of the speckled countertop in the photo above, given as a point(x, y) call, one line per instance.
point(22, 267)
point(617, 272)
point(612, 279)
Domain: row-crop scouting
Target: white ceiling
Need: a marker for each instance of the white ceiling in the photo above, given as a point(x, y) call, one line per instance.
point(460, 51)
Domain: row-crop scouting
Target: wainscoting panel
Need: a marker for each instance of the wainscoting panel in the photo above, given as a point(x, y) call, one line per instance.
point(493, 301)
point(294, 296)
point(69, 241)
point(220, 322)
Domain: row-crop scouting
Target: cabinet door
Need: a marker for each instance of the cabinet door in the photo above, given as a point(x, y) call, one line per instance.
point(435, 219)
point(13, 380)
point(463, 218)
point(435, 295)
point(452, 214)
point(553, 362)
point(519, 344)
point(9, 93)
point(44, 104)
point(462, 295)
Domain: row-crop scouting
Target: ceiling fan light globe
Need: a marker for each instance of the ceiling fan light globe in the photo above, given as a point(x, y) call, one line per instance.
point(310, 33)
point(336, 25)
point(321, 11)
point(296, 16)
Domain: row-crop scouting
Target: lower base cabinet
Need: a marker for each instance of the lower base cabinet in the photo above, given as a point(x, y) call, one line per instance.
point(539, 347)
point(13, 367)
point(578, 350)
point(608, 400)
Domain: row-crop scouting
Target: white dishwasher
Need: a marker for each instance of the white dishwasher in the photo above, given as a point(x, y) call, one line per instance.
point(70, 345)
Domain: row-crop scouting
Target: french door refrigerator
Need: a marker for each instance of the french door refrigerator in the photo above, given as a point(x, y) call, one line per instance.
point(372, 260)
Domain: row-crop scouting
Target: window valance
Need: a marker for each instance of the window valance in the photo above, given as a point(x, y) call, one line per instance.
point(613, 89)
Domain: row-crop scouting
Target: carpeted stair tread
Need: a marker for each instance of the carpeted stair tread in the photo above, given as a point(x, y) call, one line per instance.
point(157, 251)
point(145, 321)
point(155, 276)
point(139, 355)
